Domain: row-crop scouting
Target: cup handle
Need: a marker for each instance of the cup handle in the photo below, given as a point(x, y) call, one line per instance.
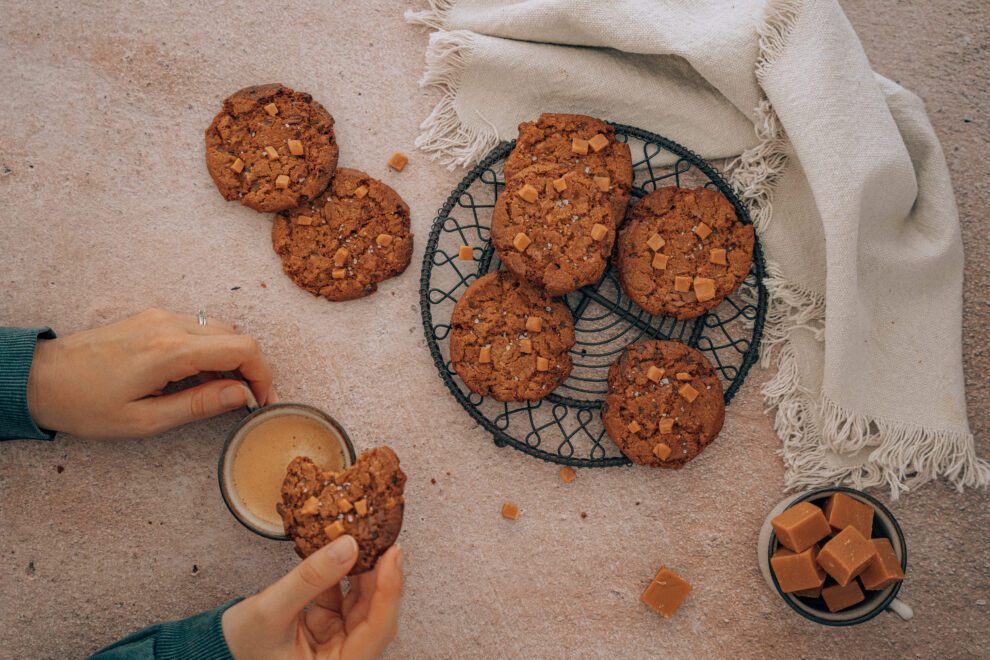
point(901, 609)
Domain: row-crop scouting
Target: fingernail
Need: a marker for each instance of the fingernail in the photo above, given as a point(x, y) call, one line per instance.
point(343, 549)
point(272, 396)
point(400, 554)
point(232, 396)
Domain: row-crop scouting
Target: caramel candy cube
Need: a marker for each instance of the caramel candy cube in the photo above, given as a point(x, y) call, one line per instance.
point(528, 193)
point(345, 505)
point(485, 354)
point(525, 346)
point(305, 220)
point(602, 182)
point(237, 165)
point(704, 289)
point(688, 392)
point(282, 181)
point(796, 571)
point(310, 507)
point(339, 273)
point(883, 571)
point(654, 373)
point(666, 425)
point(542, 364)
point(579, 146)
point(703, 231)
point(598, 142)
point(682, 283)
point(666, 592)
point(662, 451)
point(656, 242)
point(361, 507)
point(560, 185)
point(660, 261)
point(334, 530)
point(846, 555)
point(272, 153)
point(567, 474)
point(271, 109)
point(340, 256)
point(295, 147)
point(534, 324)
point(634, 427)
point(398, 161)
point(842, 511)
point(465, 253)
point(521, 241)
point(683, 375)
point(361, 192)
point(838, 597)
point(809, 593)
point(384, 240)
point(717, 256)
point(598, 232)
point(510, 511)
point(800, 526)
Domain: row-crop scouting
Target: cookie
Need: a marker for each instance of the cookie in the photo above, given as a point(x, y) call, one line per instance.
point(551, 140)
point(664, 403)
point(682, 251)
point(554, 227)
point(365, 501)
point(347, 240)
point(271, 148)
point(509, 340)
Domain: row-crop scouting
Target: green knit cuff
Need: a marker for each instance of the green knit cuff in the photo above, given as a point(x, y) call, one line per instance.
point(16, 354)
point(199, 636)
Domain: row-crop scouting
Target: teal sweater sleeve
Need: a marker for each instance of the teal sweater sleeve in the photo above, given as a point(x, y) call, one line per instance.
point(198, 637)
point(16, 353)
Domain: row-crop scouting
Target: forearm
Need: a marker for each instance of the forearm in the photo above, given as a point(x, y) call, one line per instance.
point(17, 346)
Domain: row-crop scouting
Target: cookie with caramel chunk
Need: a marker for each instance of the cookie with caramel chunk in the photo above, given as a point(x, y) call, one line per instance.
point(664, 403)
point(682, 251)
point(509, 340)
point(271, 148)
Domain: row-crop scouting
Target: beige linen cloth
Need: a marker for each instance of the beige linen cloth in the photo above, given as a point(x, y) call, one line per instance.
point(842, 172)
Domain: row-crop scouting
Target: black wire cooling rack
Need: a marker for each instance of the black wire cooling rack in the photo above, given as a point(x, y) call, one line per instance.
point(566, 427)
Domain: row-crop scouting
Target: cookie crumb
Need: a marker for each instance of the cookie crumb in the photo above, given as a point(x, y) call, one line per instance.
point(60, 469)
point(195, 569)
point(398, 161)
point(433, 481)
point(510, 511)
point(584, 514)
point(567, 474)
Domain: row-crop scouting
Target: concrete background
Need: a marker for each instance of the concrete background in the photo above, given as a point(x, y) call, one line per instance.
point(106, 208)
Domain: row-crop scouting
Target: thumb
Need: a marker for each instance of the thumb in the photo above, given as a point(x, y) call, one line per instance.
point(200, 402)
point(323, 569)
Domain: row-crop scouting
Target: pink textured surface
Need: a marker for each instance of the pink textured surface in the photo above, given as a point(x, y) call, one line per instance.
point(108, 209)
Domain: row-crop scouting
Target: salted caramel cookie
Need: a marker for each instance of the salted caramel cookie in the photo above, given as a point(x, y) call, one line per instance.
point(347, 240)
point(509, 340)
point(682, 251)
point(582, 144)
point(271, 148)
point(554, 227)
point(365, 501)
point(664, 403)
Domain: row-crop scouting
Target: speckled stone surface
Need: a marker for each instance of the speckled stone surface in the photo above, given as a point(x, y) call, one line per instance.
point(107, 208)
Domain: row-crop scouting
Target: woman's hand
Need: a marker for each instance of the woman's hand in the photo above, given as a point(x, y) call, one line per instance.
point(277, 624)
point(107, 382)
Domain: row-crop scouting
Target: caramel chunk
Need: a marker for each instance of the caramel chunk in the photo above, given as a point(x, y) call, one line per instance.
point(797, 570)
point(345, 505)
point(660, 261)
point(666, 592)
point(521, 241)
point(305, 220)
point(271, 109)
point(883, 571)
point(339, 273)
point(654, 373)
point(602, 182)
point(361, 192)
point(237, 165)
point(717, 256)
point(361, 507)
point(703, 231)
point(398, 161)
point(656, 242)
point(688, 392)
point(542, 364)
point(598, 142)
point(634, 427)
point(842, 510)
point(704, 289)
point(801, 526)
point(838, 597)
point(682, 375)
point(579, 146)
point(510, 511)
point(666, 425)
point(384, 240)
point(567, 474)
point(560, 185)
point(465, 253)
point(528, 193)
point(662, 451)
point(485, 354)
point(340, 256)
point(682, 283)
point(525, 346)
point(272, 153)
point(295, 147)
point(282, 181)
point(809, 593)
point(598, 231)
point(334, 530)
point(310, 507)
point(534, 324)
point(846, 555)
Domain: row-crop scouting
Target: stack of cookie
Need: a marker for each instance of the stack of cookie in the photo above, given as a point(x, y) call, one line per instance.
point(339, 232)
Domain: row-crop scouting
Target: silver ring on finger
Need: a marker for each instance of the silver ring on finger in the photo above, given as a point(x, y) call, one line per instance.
point(201, 317)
